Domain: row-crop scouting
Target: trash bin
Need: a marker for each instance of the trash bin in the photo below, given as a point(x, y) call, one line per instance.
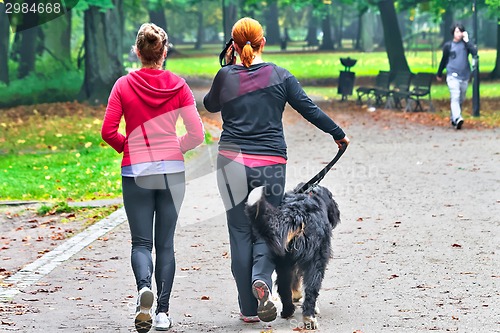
point(346, 78)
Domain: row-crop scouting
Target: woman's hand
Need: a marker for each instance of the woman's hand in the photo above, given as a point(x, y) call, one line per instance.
point(230, 57)
point(343, 141)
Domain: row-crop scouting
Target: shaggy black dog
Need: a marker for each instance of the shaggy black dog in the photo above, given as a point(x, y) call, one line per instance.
point(299, 233)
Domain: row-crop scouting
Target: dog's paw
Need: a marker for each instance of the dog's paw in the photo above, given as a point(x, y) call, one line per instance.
point(254, 196)
point(316, 310)
point(310, 323)
point(296, 295)
point(288, 311)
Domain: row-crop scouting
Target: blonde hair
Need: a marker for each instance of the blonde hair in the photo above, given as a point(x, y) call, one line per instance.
point(151, 42)
point(248, 34)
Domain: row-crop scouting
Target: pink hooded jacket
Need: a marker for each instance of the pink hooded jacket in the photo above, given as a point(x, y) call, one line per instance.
point(151, 101)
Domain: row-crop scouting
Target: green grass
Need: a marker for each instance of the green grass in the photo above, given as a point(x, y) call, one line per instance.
point(438, 91)
point(58, 157)
point(319, 65)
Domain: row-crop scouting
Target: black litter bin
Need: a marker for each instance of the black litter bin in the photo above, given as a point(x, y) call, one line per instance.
point(346, 78)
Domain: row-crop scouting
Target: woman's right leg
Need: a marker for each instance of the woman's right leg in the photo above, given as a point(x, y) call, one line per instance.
point(240, 230)
point(139, 206)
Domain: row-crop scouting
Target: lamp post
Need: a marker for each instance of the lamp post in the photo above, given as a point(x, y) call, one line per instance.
point(475, 66)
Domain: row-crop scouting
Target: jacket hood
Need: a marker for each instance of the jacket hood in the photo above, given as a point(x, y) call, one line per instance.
point(155, 87)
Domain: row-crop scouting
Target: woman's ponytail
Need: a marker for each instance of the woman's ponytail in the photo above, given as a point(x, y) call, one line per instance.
point(248, 34)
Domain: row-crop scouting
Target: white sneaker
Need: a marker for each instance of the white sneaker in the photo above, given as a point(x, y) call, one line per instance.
point(143, 319)
point(163, 322)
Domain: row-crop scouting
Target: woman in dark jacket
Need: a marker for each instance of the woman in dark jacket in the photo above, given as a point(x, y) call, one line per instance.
point(252, 152)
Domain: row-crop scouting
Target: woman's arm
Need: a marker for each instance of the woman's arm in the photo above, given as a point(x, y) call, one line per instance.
point(192, 121)
point(211, 101)
point(299, 100)
point(112, 118)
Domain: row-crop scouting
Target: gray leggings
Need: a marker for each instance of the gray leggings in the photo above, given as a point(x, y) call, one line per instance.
point(251, 258)
point(145, 198)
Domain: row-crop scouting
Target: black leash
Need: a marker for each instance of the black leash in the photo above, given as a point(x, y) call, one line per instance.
point(316, 179)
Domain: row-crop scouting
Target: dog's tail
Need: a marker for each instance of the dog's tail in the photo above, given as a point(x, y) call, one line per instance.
point(263, 216)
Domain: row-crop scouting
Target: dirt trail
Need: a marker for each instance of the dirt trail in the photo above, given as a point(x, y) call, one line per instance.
point(417, 249)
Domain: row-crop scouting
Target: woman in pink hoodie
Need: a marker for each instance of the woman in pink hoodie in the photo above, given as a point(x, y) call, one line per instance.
point(151, 100)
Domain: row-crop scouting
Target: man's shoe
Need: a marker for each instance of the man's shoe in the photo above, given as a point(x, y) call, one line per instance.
point(266, 310)
point(459, 124)
point(143, 319)
point(163, 322)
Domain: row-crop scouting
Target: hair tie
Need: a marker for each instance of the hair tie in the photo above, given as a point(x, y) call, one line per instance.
point(248, 43)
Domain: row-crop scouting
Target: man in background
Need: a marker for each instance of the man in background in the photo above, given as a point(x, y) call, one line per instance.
point(456, 61)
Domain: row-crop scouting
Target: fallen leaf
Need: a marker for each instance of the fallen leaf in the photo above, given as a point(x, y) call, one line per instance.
point(456, 245)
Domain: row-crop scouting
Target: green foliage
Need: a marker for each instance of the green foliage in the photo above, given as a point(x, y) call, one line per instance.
point(50, 83)
point(58, 208)
point(59, 156)
point(83, 5)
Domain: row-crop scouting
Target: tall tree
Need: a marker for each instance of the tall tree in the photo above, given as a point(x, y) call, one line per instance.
point(272, 25)
point(312, 27)
point(230, 16)
point(495, 74)
point(326, 26)
point(156, 13)
point(200, 31)
point(392, 37)
point(4, 45)
point(57, 38)
point(103, 29)
point(446, 23)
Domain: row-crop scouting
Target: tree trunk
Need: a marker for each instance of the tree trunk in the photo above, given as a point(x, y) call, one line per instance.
point(392, 37)
point(230, 16)
point(445, 27)
point(27, 52)
point(157, 16)
point(341, 26)
point(4, 45)
point(272, 25)
point(495, 74)
point(200, 34)
point(103, 52)
point(327, 42)
point(57, 39)
point(312, 27)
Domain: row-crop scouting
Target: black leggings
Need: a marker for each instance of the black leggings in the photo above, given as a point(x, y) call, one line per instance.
point(145, 197)
point(251, 258)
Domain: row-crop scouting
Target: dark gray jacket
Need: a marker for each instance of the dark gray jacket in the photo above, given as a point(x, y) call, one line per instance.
point(252, 101)
point(456, 62)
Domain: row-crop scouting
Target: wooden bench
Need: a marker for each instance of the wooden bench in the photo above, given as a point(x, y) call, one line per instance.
point(382, 81)
point(421, 87)
point(399, 88)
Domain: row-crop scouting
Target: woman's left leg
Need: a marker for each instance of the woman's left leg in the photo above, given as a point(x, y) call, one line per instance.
point(167, 204)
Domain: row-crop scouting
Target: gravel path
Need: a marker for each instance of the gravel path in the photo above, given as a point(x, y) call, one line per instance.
point(417, 249)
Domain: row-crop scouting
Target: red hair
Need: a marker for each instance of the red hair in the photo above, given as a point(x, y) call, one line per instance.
point(248, 34)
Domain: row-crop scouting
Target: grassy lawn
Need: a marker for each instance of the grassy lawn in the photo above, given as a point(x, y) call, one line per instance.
point(438, 91)
point(317, 65)
point(55, 154)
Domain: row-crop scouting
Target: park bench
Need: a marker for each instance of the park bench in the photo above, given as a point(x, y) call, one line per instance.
point(421, 87)
point(382, 81)
point(311, 45)
point(398, 90)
